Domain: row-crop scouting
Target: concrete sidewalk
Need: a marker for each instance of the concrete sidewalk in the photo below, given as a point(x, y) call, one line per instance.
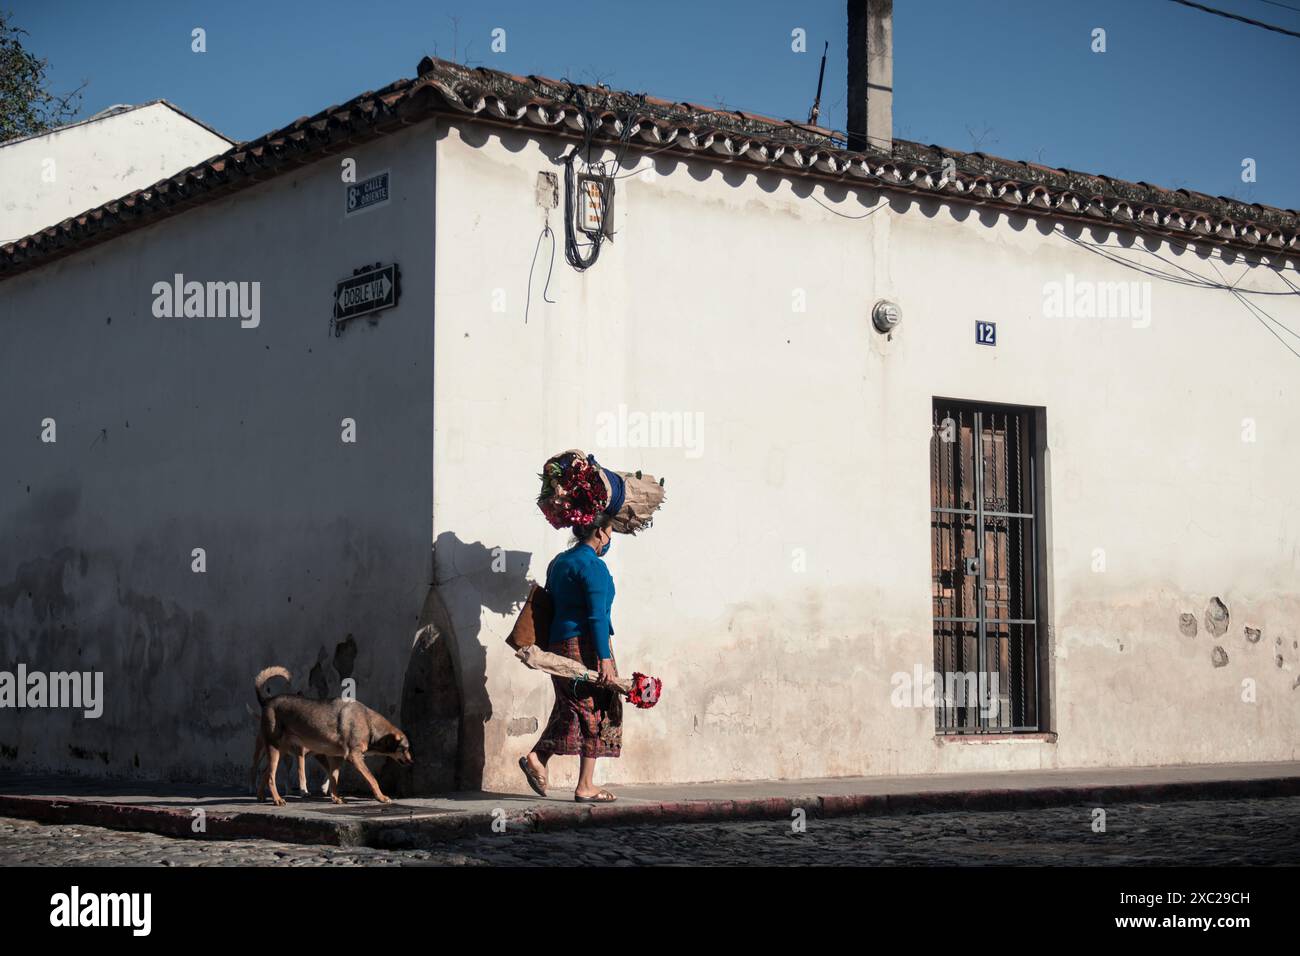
point(231, 814)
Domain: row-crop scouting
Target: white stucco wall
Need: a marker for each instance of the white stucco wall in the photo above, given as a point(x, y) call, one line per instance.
point(816, 437)
point(183, 433)
point(45, 179)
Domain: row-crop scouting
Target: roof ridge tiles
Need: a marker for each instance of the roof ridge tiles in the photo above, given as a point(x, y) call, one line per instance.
point(441, 86)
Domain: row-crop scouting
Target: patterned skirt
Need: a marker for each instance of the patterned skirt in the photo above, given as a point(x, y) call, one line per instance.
point(587, 720)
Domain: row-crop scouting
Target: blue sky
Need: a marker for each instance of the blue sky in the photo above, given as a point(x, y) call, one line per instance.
point(1178, 99)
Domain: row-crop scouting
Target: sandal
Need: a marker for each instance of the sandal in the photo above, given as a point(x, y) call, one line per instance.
point(601, 796)
point(535, 779)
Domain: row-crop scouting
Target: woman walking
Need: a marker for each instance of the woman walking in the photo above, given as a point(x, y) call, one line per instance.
point(587, 719)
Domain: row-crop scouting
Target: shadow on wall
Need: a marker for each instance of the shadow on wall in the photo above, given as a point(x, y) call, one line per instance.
point(445, 703)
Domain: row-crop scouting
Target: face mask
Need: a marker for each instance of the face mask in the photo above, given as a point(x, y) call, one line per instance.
point(605, 550)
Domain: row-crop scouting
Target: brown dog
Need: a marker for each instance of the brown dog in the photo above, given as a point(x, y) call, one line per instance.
point(257, 777)
point(339, 730)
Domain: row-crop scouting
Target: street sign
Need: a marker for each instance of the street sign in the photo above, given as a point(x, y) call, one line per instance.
point(369, 290)
point(986, 333)
point(367, 194)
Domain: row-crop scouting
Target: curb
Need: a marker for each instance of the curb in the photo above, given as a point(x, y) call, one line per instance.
point(178, 823)
point(406, 834)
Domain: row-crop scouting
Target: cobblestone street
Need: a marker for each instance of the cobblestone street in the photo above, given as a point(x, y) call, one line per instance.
point(1198, 833)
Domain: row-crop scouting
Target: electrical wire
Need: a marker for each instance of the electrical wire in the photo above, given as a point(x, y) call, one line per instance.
point(1199, 281)
point(1284, 6)
point(1253, 309)
point(624, 137)
point(843, 215)
point(581, 261)
point(638, 171)
point(1239, 292)
point(1193, 278)
point(1237, 17)
point(831, 141)
point(578, 256)
point(1260, 315)
point(880, 205)
point(528, 299)
point(1215, 254)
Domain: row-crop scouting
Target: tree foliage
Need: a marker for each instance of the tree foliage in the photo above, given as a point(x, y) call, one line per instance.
point(26, 104)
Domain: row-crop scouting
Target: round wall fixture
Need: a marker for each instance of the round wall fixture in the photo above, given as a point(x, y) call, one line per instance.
point(886, 315)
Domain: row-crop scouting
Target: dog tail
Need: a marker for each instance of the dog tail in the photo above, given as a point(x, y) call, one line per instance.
point(265, 675)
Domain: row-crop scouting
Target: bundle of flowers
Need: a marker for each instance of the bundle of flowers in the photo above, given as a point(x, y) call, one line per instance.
point(576, 490)
point(645, 691)
point(640, 690)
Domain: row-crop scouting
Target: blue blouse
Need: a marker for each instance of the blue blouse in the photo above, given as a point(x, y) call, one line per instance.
point(582, 590)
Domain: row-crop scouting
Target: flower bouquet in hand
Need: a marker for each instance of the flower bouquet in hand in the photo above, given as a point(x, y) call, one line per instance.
point(640, 690)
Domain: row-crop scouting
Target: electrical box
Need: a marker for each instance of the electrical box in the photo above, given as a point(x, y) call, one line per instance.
point(548, 190)
point(596, 205)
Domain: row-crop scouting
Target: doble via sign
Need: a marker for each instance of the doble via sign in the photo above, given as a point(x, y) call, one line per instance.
point(369, 289)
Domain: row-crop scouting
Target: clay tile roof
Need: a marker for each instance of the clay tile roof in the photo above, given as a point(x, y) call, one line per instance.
point(732, 136)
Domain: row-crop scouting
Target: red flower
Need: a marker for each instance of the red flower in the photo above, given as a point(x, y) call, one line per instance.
point(645, 691)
